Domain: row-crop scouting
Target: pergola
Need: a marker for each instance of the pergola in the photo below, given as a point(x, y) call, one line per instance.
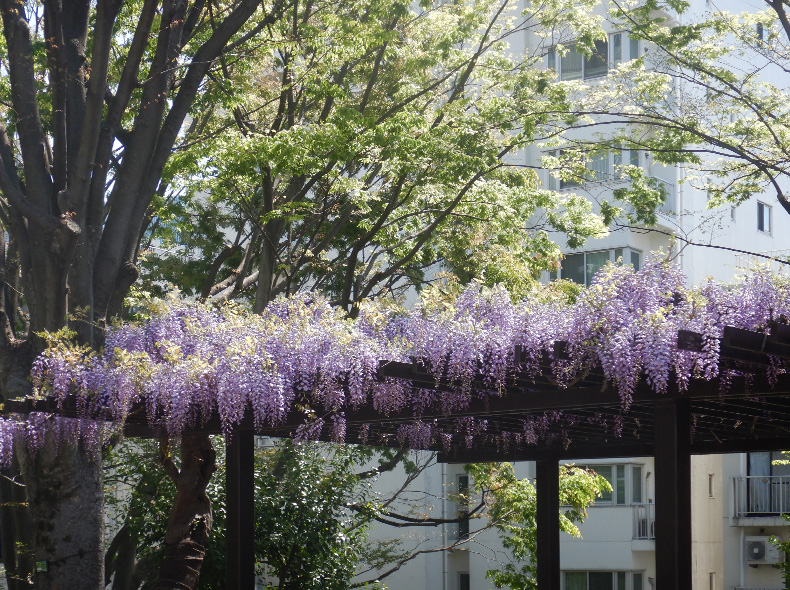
point(585, 420)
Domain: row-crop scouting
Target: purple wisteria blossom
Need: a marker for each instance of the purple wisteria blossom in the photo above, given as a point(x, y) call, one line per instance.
point(194, 362)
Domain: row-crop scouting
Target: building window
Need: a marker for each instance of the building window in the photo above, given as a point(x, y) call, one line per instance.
point(767, 464)
point(619, 48)
point(624, 47)
point(711, 485)
point(763, 217)
point(463, 507)
point(624, 479)
point(620, 158)
point(577, 66)
point(599, 166)
point(637, 489)
point(596, 580)
point(581, 268)
point(464, 581)
point(760, 34)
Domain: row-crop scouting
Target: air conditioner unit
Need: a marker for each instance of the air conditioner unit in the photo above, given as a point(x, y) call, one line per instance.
point(760, 550)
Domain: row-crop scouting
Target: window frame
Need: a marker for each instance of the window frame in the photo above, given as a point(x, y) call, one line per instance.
point(599, 61)
point(626, 41)
point(626, 486)
point(606, 51)
point(764, 214)
point(626, 253)
point(614, 160)
point(621, 579)
point(462, 486)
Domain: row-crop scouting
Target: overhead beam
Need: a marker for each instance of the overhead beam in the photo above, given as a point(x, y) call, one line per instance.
point(541, 452)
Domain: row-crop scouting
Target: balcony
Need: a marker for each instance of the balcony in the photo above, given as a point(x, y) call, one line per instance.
point(644, 521)
point(762, 496)
point(644, 531)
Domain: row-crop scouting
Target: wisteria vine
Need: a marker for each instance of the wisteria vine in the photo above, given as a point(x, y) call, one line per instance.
point(192, 361)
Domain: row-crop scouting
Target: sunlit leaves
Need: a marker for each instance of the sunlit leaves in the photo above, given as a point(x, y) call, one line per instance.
point(385, 122)
point(512, 510)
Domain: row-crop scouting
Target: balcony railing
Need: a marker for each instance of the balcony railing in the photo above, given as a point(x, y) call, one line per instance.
point(762, 495)
point(748, 261)
point(644, 521)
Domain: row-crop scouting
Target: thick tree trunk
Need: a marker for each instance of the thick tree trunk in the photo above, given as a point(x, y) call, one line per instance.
point(65, 494)
point(188, 528)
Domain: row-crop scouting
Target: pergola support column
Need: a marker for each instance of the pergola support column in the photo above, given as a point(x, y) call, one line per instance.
point(547, 483)
point(240, 511)
point(673, 495)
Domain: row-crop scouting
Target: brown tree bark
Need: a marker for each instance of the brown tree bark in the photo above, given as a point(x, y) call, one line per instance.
point(189, 525)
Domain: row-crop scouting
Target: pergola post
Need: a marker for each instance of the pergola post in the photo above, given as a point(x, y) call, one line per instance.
point(673, 494)
point(240, 511)
point(547, 483)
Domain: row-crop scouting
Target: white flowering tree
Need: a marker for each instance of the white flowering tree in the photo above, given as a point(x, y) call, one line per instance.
point(363, 154)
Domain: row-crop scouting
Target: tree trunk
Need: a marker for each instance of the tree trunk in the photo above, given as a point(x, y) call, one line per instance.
point(189, 525)
point(65, 494)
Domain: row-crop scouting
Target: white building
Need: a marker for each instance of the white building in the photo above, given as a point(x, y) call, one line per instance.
point(738, 499)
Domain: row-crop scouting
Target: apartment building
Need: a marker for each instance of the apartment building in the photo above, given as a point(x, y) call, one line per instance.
point(738, 499)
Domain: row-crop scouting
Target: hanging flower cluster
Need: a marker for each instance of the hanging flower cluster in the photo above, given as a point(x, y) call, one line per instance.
point(193, 362)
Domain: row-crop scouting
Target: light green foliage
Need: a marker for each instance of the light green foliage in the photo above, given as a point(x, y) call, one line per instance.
point(368, 142)
point(784, 546)
point(306, 538)
point(512, 511)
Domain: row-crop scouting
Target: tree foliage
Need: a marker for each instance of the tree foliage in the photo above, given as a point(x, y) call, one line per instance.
point(314, 506)
point(306, 537)
point(368, 144)
point(512, 509)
